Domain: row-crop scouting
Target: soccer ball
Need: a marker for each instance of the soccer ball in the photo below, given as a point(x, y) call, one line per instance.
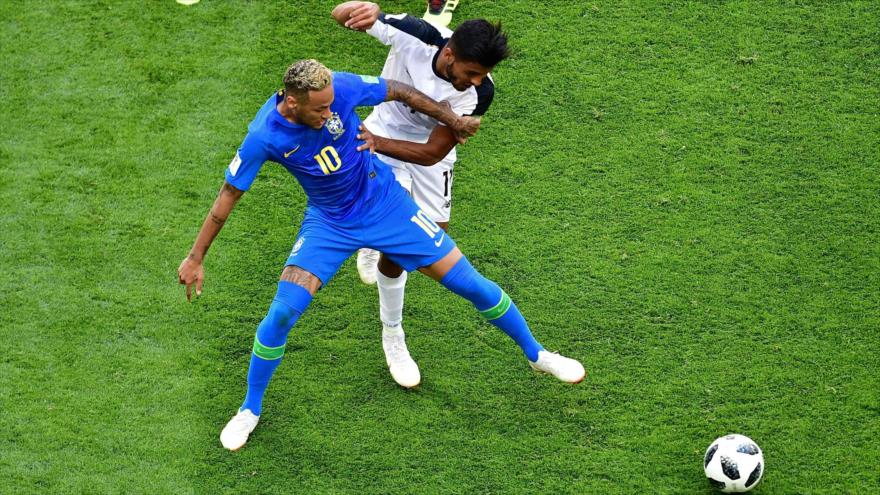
point(734, 463)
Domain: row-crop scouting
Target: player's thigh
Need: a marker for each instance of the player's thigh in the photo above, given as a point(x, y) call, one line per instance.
point(320, 249)
point(302, 278)
point(432, 189)
point(407, 235)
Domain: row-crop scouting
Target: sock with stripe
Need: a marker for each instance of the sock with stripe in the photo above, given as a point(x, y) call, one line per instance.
point(291, 300)
point(493, 304)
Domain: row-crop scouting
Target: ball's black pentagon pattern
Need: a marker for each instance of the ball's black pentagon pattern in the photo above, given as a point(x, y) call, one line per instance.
point(709, 454)
point(729, 467)
point(748, 448)
point(755, 476)
point(720, 485)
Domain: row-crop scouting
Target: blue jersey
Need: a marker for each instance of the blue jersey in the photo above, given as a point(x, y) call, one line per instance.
point(337, 179)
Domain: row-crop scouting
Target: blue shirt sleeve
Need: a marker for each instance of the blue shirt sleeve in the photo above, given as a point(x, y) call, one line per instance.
point(360, 91)
point(247, 163)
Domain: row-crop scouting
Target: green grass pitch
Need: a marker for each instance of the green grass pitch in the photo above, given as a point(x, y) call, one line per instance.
point(684, 195)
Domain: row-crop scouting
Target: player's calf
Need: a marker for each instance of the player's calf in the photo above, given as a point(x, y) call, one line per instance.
point(291, 300)
point(497, 307)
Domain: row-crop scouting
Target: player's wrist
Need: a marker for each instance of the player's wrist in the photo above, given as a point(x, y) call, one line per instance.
point(379, 144)
point(458, 122)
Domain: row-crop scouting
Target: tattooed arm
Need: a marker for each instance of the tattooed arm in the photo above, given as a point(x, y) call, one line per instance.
point(464, 127)
point(190, 271)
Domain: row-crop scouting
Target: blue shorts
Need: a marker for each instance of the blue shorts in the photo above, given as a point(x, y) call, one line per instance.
point(394, 225)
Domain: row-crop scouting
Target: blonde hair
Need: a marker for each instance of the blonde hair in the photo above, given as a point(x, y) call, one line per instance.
point(307, 75)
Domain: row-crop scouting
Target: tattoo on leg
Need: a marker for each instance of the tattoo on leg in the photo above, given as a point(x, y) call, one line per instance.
point(302, 278)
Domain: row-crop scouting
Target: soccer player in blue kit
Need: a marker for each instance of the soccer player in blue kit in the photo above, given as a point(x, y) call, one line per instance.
point(310, 128)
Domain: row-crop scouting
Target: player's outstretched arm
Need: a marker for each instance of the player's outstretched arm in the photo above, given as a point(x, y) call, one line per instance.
point(439, 144)
point(464, 127)
point(359, 16)
point(190, 272)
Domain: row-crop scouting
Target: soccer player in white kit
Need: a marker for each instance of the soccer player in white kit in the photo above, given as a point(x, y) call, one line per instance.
point(447, 66)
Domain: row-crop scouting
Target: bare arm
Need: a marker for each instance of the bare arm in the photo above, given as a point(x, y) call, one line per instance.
point(464, 127)
point(191, 271)
point(440, 143)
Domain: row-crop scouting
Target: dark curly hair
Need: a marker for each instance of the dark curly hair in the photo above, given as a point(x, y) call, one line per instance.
point(480, 41)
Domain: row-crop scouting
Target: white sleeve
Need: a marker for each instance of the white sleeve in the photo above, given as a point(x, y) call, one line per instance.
point(465, 103)
point(383, 32)
point(400, 29)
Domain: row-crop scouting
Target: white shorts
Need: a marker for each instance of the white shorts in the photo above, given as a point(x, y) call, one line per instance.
point(430, 187)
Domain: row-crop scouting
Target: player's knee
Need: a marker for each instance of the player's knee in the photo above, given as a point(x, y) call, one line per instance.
point(276, 325)
point(291, 300)
point(389, 268)
point(280, 317)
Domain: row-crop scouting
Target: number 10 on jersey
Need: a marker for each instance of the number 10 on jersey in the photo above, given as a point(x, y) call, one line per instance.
point(328, 160)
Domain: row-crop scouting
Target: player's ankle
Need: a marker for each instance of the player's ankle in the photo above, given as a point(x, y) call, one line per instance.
point(392, 330)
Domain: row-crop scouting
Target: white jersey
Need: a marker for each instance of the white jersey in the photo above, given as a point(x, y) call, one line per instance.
point(415, 45)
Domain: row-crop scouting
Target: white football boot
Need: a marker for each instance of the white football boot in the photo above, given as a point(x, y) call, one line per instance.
point(439, 12)
point(403, 369)
point(237, 430)
point(566, 369)
point(368, 264)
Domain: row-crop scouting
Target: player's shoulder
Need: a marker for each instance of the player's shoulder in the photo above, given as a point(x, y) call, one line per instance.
point(342, 79)
point(475, 100)
point(416, 30)
point(261, 125)
point(485, 93)
point(345, 82)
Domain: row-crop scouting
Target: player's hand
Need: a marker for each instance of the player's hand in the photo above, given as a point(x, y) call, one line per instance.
point(368, 138)
point(363, 16)
point(189, 273)
point(465, 127)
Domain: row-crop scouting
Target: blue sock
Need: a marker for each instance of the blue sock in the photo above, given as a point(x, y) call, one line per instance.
point(493, 303)
point(290, 302)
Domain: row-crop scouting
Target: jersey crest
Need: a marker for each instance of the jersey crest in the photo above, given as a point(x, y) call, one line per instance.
point(334, 125)
point(297, 246)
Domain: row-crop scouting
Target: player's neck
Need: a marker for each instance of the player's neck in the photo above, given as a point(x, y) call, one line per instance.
point(286, 113)
point(440, 65)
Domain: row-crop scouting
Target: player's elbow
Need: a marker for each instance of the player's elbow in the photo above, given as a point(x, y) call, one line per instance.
point(230, 191)
point(436, 150)
point(431, 157)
